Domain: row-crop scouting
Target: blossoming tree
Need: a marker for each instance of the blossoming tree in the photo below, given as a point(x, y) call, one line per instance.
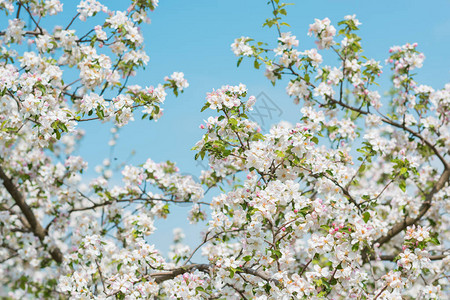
point(350, 202)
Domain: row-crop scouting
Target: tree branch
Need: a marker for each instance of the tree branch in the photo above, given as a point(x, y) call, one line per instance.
point(392, 257)
point(170, 274)
point(399, 227)
point(35, 226)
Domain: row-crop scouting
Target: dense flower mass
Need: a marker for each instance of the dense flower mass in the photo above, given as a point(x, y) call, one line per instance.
point(348, 202)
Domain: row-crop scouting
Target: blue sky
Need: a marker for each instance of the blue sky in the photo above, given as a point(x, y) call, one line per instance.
point(195, 36)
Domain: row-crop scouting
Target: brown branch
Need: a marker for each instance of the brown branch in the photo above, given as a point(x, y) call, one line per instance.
point(9, 257)
point(73, 19)
point(170, 274)
point(35, 226)
point(381, 292)
point(344, 190)
point(414, 133)
point(258, 274)
point(31, 16)
point(241, 293)
point(275, 13)
point(383, 119)
point(101, 275)
point(392, 257)
point(32, 33)
point(395, 124)
point(205, 240)
point(18, 10)
point(109, 202)
point(399, 227)
point(305, 267)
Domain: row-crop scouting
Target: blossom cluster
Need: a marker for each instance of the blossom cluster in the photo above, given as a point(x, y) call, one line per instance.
point(350, 201)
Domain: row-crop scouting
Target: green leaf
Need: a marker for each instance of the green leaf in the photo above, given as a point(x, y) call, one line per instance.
point(434, 240)
point(402, 186)
point(232, 271)
point(239, 61)
point(247, 258)
point(207, 105)
point(276, 254)
point(355, 247)
point(325, 227)
point(100, 114)
point(280, 153)
point(62, 126)
point(58, 134)
point(366, 216)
